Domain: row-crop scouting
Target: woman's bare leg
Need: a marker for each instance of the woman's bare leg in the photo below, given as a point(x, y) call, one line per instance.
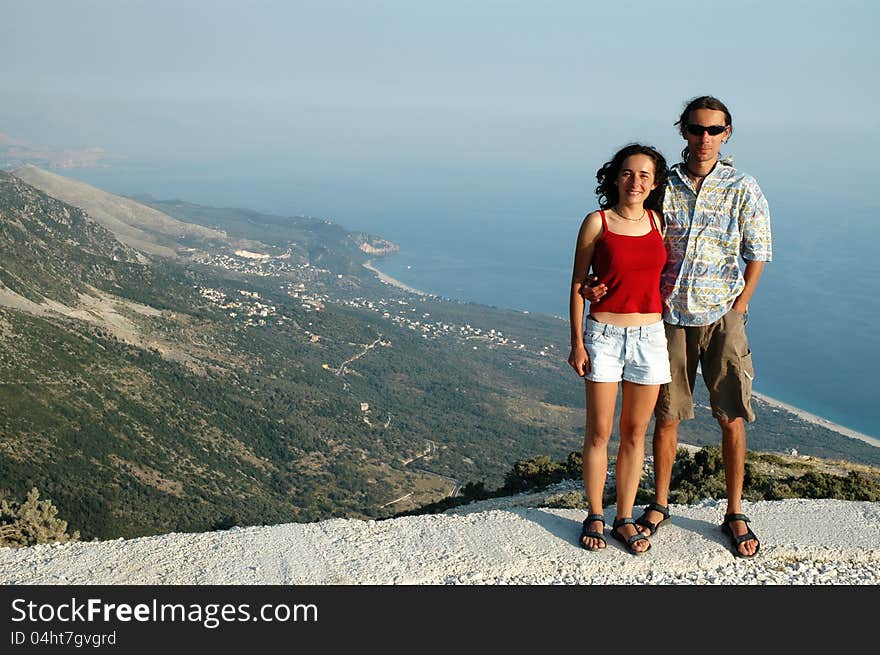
point(635, 414)
point(601, 398)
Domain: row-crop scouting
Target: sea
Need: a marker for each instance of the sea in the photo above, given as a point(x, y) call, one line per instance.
point(507, 240)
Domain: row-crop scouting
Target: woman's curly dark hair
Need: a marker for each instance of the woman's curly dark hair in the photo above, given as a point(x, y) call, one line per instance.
point(607, 177)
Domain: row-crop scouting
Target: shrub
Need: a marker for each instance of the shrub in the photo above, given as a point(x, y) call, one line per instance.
point(533, 473)
point(32, 522)
point(698, 476)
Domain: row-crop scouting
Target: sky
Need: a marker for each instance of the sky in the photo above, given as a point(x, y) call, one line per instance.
point(461, 119)
point(357, 96)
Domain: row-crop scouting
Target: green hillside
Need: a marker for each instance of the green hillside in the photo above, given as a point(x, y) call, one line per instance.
point(201, 419)
point(154, 395)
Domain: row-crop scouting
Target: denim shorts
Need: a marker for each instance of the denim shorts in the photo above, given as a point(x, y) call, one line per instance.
point(634, 354)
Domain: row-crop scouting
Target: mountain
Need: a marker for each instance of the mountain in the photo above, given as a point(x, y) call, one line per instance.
point(318, 241)
point(260, 373)
point(147, 394)
point(130, 222)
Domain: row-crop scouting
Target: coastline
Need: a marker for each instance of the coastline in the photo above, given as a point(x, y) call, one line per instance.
point(817, 420)
point(387, 279)
point(773, 402)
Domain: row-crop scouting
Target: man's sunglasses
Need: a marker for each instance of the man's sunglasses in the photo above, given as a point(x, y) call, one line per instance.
point(700, 130)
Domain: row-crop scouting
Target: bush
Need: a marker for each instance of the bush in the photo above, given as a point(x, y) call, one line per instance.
point(31, 522)
point(694, 478)
point(533, 473)
point(698, 476)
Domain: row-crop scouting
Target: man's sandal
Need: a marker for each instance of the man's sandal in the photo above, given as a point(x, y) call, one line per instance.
point(586, 532)
point(653, 527)
point(736, 541)
point(629, 541)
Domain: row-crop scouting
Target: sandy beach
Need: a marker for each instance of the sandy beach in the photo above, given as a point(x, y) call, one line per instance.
point(387, 279)
point(818, 420)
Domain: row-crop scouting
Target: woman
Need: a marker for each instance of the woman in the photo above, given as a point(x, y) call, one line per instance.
point(624, 340)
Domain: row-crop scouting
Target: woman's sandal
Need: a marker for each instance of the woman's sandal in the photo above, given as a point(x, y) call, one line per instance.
point(629, 541)
point(736, 541)
point(586, 532)
point(653, 527)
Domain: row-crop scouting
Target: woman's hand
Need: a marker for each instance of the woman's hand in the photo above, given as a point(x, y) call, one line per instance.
point(594, 292)
point(579, 360)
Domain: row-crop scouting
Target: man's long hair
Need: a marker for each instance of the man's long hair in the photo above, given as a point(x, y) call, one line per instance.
point(700, 102)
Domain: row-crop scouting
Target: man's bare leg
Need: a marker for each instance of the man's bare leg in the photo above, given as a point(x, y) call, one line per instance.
point(665, 446)
point(733, 452)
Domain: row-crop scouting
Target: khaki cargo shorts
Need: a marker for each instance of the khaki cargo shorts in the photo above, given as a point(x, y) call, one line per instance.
point(722, 351)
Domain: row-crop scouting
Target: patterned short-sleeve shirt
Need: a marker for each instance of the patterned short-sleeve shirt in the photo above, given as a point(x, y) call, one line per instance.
point(706, 235)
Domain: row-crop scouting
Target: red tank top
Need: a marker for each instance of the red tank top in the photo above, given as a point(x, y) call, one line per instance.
point(630, 267)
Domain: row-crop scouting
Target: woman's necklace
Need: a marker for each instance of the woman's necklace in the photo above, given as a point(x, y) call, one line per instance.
point(627, 218)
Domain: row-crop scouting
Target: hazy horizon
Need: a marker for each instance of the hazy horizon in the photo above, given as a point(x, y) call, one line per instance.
point(339, 90)
point(466, 120)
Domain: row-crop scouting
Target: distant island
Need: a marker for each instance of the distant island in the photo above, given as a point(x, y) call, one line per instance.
point(15, 153)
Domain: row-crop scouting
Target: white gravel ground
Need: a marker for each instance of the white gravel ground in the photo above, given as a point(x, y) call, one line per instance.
point(804, 542)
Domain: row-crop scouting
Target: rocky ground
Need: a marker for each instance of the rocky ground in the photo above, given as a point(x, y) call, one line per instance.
point(512, 541)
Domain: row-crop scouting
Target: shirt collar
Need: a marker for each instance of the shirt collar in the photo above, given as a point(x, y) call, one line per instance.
point(724, 166)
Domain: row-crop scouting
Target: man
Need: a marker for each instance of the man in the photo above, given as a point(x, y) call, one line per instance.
point(714, 215)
